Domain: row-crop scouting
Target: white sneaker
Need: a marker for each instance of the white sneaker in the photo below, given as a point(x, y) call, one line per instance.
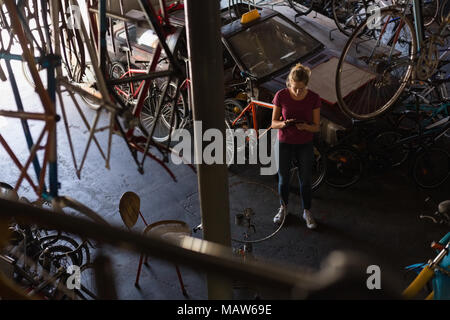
point(310, 223)
point(279, 217)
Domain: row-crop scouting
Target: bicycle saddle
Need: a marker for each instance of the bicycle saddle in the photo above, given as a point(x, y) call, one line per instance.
point(444, 206)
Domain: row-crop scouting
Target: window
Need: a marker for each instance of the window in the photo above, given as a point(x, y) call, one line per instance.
point(271, 45)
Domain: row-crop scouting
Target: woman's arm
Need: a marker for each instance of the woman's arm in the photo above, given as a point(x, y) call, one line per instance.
point(315, 127)
point(276, 116)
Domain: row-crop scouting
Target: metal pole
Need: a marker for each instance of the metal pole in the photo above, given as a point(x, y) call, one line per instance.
point(206, 70)
point(418, 18)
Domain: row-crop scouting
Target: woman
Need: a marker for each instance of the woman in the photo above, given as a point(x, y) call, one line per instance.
point(297, 115)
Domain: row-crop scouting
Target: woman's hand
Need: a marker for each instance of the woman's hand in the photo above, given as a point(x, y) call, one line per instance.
point(288, 122)
point(302, 126)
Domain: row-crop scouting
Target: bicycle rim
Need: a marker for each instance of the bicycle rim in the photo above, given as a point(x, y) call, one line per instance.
point(431, 168)
point(233, 109)
point(344, 167)
point(430, 9)
point(163, 123)
point(444, 11)
point(229, 140)
point(385, 148)
point(375, 66)
point(123, 90)
point(88, 288)
point(319, 168)
point(88, 78)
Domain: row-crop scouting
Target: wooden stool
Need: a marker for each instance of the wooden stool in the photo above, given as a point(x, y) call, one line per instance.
point(129, 208)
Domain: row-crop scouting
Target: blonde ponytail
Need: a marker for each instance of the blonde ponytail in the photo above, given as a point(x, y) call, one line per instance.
point(299, 73)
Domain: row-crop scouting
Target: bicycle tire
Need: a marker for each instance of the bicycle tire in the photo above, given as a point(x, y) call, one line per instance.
point(81, 250)
point(58, 254)
point(319, 171)
point(233, 109)
point(425, 164)
point(384, 147)
point(302, 7)
point(88, 289)
point(87, 77)
point(342, 18)
point(444, 11)
point(229, 144)
point(430, 11)
point(255, 201)
point(116, 71)
point(344, 167)
point(163, 124)
point(375, 80)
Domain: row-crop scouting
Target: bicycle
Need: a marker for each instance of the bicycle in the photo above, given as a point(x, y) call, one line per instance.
point(355, 152)
point(418, 116)
point(430, 166)
point(246, 119)
point(129, 93)
point(348, 14)
point(40, 259)
point(436, 269)
point(385, 60)
point(98, 92)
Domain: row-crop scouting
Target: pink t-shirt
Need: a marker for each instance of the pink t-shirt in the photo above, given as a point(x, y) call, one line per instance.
point(300, 110)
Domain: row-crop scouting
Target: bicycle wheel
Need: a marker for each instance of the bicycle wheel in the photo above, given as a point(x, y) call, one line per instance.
point(344, 167)
point(27, 74)
point(444, 11)
point(430, 10)
point(124, 91)
point(52, 260)
point(409, 122)
point(318, 175)
point(374, 67)
point(431, 168)
point(229, 141)
point(252, 207)
point(385, 149)
point(87, 79)
point(302, 7)
point(233, 109)
point(88, 287)
point(81, 250)
point(348, 14)
point(164, 121)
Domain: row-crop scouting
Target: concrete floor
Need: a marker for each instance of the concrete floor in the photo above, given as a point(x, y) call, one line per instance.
point(378, 216)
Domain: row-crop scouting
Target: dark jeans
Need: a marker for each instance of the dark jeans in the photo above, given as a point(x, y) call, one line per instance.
point(304, 155)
